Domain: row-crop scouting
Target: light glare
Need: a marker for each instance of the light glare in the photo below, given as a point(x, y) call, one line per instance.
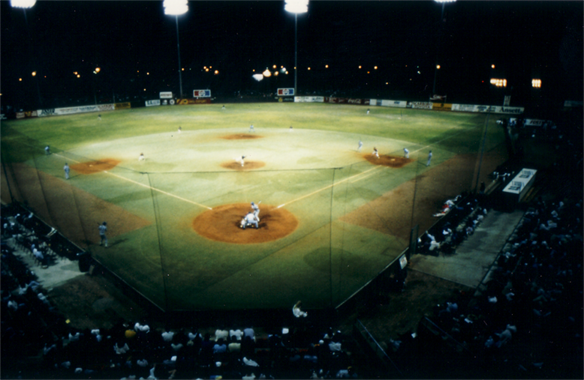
point(22, 3)
point(258, 77)
point(296, 6)
point(175, 7)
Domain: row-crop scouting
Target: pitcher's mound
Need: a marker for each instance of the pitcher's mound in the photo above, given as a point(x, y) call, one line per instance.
point(391, 161)
point(222, 224)
point(248, 165)
point(95, 166)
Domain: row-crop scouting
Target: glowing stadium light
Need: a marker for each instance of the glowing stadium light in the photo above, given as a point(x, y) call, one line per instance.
point(97, 69)
point(34, 73)
point(296, 6)
point(22, 3)
point(216, 72)
point(283, 70)
point(258, 77)
point(536, 83)
point(267, 73)
point(273, 67)
point(175, 7)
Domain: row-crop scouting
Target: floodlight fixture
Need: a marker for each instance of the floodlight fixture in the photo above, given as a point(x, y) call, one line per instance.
point(296, 7)
point(443, 2)
point(267, 73)
point(25, 4)
point(258, 77)
point(175, 7)
point(34, 73)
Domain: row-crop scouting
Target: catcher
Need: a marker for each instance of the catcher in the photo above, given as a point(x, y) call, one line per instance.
point(249, 220)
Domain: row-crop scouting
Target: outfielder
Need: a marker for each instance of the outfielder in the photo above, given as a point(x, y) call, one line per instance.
point(429, 158)
point(66, 169)
point(251, 128)
point(360, 146)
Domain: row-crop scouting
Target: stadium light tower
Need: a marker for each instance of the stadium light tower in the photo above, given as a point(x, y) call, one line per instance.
point(176, 8)
point(436, 67)
point(296, 7)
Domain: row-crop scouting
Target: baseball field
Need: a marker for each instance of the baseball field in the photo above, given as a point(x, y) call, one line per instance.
point(331, 216)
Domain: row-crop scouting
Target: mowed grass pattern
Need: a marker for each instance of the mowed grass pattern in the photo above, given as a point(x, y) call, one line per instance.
point(314, 171)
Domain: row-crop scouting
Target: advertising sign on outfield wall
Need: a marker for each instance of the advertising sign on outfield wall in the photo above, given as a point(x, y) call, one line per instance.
point(309, 99)
point(388, 103)
point(122, 106)
point(46, 112)
point(482, 108)
point(201, 93)
point(421, 105)
point(80, 109)
point(152, 103)
point(166, 95)
point(285, 92)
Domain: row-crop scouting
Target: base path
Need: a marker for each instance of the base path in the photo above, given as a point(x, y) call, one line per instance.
point(223, 224)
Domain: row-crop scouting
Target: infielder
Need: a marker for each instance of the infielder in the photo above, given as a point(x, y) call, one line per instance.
point(406, 153)
point(375, 152)
point(360, 146)
point(179, 129)
point(242, 158)
point(141, 158)
point(256, 210)
point(251, 128)
point(102, 230)
point(429, 158)
point(66, 170)
point(250, 218)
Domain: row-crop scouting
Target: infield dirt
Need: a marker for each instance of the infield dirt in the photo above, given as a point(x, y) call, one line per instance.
point(223, 224)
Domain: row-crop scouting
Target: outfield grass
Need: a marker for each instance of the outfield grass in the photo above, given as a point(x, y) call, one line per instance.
point(315, 172)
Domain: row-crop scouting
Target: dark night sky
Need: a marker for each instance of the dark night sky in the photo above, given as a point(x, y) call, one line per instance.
point(523, 39)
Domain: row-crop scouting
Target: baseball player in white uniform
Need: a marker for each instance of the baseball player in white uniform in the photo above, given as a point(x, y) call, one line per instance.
point(256, 209)
point(406, 153)
point(249, 219)
point(360, 146)
point(375, 152)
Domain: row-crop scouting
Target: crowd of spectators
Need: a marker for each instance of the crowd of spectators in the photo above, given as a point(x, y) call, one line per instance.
point(32, 326)
point(464, 214)
point(533, 296)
